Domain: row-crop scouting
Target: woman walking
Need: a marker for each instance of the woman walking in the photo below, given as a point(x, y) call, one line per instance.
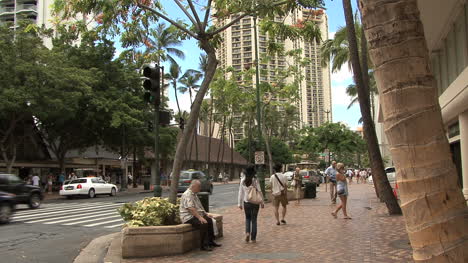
point(297, 183)
point(342, 191)
point(250, 185)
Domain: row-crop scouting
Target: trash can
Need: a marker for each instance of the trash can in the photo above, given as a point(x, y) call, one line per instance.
point(146, 185)
point(205, 200)
point(310, 190)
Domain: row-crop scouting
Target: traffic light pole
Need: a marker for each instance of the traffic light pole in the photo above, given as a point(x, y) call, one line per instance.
point(157, 104)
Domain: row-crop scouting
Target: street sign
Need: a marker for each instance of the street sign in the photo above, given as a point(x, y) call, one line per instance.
point(260, 157)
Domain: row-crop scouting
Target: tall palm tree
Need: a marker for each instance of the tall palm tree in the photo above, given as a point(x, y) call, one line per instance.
point(164, 41)
point(351, 91)
point(433, 204)
point(190, 82)
point(339, 51)
point(173, 77)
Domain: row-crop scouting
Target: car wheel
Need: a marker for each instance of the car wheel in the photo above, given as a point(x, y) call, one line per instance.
point(5, 213)
point(69, 197)
point(34, 201)
point(91, 193)
point(113, 192)
point(211, 189)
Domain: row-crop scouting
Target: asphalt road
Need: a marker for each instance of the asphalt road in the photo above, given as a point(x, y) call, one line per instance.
point(56, 232)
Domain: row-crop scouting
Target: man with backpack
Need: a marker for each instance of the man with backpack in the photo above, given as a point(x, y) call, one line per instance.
point(279, 189)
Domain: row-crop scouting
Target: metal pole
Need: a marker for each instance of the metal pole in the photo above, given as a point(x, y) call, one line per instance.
point(157, 103)
point(261, 176)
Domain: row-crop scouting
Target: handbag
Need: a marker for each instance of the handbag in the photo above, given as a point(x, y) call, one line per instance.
point(293, 183)
point(253, 195)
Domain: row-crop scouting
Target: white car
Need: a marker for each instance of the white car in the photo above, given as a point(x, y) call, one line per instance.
point(289, 175)
point(90, 186)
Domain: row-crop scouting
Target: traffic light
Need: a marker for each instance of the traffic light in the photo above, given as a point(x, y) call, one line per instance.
point(152, 84)
point(181, 123)
point(150, 126)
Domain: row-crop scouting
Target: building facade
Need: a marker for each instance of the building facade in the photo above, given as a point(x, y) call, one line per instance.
point(446, 31)
point(237, 50)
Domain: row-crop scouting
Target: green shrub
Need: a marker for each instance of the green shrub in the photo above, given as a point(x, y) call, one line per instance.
point(151, 211)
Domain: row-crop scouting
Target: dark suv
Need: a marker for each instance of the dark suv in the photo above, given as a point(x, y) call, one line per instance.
point(25, 194)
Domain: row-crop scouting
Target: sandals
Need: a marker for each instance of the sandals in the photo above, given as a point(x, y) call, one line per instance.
point(347, 217)
point(247, 238)
point(334, 215)
point(284, 222)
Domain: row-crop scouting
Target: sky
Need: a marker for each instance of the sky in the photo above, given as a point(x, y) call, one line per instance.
point(339, 80)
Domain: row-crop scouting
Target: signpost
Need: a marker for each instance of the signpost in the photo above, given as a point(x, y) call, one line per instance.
point(260, 157)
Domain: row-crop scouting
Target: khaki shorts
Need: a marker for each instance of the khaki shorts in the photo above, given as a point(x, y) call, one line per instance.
point(280, 199)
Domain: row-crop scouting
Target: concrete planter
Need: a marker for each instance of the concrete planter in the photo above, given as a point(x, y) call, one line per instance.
point(155, 241)
point(291, 195)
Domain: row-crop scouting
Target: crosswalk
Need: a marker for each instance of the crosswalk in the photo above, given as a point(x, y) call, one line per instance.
point(98, 214)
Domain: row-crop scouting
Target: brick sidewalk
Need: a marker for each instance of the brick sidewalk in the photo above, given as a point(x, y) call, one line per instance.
point(312, 234)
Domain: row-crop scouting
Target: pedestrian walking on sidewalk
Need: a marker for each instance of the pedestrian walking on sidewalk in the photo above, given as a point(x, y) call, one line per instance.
point(297, 184)
point(279, 189)
point(331, 174)
point(246, 200)
point(342, 190)
point(192, 212)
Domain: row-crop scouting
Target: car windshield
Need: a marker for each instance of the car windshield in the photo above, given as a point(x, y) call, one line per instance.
point(390, 170)
point(303, 173)
point(185, 176)
point(78, 181)
point(66, 182)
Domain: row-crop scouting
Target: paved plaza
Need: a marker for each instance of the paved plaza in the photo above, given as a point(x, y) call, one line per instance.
point(311, 234)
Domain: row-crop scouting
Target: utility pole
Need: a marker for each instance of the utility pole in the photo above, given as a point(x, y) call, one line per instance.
point(261, 176)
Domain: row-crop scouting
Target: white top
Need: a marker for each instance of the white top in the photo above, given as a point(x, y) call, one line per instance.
point(276, 187)
point(35, 180)
point(243, 192)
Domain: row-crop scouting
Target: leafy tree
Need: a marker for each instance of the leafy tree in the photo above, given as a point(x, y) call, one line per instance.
point(42, 83)
point(121, 17)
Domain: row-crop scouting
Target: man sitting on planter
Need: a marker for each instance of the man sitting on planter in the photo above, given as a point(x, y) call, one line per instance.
point(192, 212)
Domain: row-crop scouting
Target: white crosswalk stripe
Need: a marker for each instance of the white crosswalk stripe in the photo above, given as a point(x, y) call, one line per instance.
point(98, 214)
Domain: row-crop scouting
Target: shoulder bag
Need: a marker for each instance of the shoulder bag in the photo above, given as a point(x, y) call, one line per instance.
point(253, 195)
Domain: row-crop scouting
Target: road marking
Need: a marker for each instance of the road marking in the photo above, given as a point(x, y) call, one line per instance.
point(74, 210)
point(67, 218)
point(103, 223)
point(46, 209)
point(89, 220)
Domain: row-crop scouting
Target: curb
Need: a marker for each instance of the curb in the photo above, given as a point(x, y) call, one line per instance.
point(114, 253)
point(96, 250)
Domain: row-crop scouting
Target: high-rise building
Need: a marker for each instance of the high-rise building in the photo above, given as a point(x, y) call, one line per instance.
point(38, 11)
point(238, 50)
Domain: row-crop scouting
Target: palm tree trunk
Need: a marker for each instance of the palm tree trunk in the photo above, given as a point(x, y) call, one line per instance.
point(181, 146)
point(175, 93)
point(361, 78)
point(433, 205)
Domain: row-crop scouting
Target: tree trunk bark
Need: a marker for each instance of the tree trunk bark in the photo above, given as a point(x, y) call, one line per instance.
point(176, 97)
point(181, 146)
point(361, 78)
point(433, 205)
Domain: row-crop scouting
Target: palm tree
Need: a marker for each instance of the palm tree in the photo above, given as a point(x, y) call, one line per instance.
point(164, 41)
point(340, 50)
point(190, 81)
point(433, 204)
point(173, 77)
point(351, 91)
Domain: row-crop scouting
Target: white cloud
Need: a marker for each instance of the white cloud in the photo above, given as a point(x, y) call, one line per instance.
point(339, 81)
point(184, 101)
point(331, 35)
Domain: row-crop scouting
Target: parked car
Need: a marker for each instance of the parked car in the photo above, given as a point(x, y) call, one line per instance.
point(391, 175)
point(289, 175)
point(25, 194)
point(90, 186)
point(7, 206)
point(186, 178)
point(311, 176)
